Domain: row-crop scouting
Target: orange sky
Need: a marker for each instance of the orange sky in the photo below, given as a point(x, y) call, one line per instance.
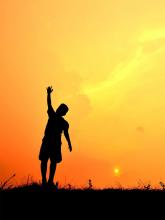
point(105, 59)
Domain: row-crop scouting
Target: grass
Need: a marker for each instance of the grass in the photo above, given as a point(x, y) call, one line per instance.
point(32, 186)
point(31, 197)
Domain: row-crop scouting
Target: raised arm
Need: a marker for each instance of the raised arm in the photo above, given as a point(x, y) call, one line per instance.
point(66, 133)
point(49, 91)
point(50, 108)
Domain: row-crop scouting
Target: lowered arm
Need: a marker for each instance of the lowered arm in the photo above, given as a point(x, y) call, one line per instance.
point(66, 134)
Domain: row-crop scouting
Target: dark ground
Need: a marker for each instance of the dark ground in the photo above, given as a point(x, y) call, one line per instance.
point(35, 202)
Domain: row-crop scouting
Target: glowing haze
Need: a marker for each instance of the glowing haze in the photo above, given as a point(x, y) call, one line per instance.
point(105, 59)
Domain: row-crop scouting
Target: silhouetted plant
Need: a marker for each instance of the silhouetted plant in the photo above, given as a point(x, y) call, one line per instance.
point(29, 180)
point(57, 185)
point(119, 186)
point(69, 187)
point(3, 185)
point(142, 185)
point(162, 185)
point(90, 186)
point(147, 187)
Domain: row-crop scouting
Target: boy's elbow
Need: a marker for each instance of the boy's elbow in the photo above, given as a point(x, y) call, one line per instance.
point(66, 134)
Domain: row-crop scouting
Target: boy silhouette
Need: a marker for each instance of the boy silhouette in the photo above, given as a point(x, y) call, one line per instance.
point(51, 142)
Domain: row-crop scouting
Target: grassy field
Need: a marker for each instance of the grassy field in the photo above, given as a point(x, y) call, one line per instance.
point(33, 199)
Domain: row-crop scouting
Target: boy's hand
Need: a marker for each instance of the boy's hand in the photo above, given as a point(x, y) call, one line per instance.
point(70, 148)
point(49, 89)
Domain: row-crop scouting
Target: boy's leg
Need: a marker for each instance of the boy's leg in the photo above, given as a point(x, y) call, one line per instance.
point(52, 171)
point(43, 171)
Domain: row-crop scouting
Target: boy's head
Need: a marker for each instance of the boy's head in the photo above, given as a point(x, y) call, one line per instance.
point(62, 110)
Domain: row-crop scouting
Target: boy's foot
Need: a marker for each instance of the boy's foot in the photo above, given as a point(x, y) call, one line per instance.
point(52, 186)
point(44, 183)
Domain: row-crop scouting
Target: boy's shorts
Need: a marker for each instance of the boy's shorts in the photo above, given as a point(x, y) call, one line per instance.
point(50, 150)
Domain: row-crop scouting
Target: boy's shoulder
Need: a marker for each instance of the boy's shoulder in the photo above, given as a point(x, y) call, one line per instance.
point(66, 124)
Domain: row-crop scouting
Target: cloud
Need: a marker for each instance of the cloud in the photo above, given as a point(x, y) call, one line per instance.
point(153, 45)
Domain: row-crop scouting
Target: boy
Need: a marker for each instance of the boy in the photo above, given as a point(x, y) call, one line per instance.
point(51, 142)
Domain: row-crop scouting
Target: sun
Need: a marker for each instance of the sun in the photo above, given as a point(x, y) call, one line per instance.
point(116, 171)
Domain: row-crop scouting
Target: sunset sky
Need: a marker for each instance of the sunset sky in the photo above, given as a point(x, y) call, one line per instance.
point(106, 60)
